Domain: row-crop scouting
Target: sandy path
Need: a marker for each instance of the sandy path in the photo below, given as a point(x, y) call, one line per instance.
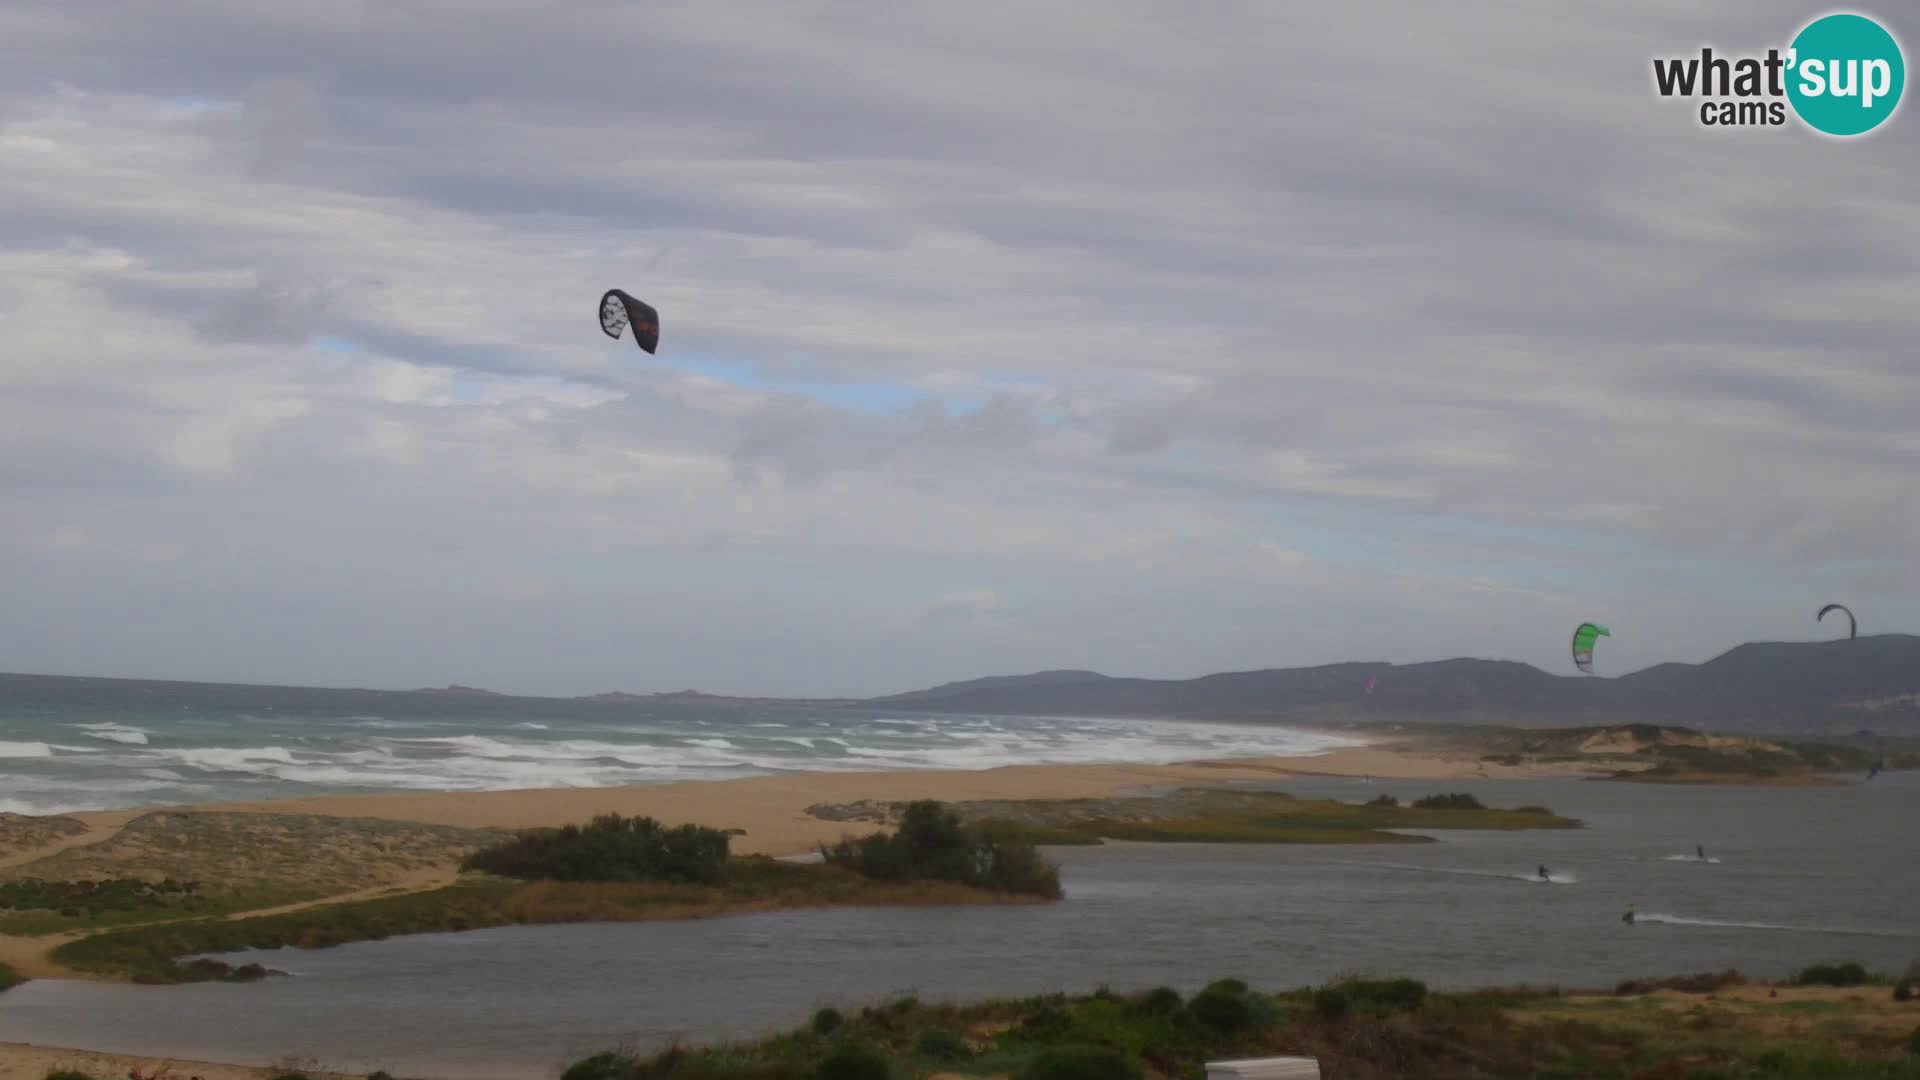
point(102, 825)
point(30, 955)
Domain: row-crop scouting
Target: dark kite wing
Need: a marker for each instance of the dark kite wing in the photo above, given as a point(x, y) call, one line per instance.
point(619, 311)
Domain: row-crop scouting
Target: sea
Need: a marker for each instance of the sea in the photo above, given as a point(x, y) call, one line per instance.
point(1792, 876)
point(56, 759)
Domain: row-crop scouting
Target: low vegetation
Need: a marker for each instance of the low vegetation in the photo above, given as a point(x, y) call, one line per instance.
point(931, 844)
point(612, 870)
point(1203, 815)
point(1358, 1029)
point(9, 978)
point(610, 848)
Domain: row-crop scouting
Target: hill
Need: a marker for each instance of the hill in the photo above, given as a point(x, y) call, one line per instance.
point(1827, 687)
point(1834, 687)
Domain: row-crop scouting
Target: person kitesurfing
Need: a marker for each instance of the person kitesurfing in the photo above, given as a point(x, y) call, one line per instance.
point(1700, 850)
point(1628, 917)
point(1543, 873)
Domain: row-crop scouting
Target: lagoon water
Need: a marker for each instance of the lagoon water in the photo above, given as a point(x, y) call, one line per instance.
point(1802, 875)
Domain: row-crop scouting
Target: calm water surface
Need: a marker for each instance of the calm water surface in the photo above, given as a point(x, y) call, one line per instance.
point(1803, 875)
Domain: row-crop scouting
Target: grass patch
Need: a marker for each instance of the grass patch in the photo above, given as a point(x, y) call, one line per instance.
point(9, 978)
point(1199, 815)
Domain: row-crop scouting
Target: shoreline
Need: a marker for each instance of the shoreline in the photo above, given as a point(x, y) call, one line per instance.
point(772, 810)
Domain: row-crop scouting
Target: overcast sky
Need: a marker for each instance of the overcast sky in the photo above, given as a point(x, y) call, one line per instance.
point(1154, 338)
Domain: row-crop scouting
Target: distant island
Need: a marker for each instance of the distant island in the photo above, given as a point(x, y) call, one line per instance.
point(1834, 688)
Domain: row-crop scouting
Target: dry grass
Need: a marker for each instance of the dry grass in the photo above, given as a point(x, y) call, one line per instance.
point(20, 834)
point(286, 854)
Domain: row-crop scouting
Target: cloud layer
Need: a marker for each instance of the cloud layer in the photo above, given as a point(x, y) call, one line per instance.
point(1091, 335)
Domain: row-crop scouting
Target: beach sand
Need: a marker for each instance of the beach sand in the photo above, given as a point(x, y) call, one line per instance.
point(773, 809)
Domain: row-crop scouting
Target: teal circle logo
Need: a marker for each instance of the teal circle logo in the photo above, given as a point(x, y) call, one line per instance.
point(1847, 74)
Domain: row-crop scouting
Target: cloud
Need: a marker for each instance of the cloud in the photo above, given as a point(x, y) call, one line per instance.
point(1252, 335)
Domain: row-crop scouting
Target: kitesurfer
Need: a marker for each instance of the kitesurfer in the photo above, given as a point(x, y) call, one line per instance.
point(1628, 917)
point(1543, 873)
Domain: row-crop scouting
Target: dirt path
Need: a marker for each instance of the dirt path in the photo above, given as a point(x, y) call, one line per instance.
point(102, 826)
point(31, 956)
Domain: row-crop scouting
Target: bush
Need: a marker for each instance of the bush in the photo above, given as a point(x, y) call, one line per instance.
point(602, 1066)
point(1384, 800)
point(611, 849)
point(1221, 1009)
point(1847, 974)
point(1160, 1001)
point(1384, 997)
point(1330, 1003)
point(68, 1074)
point(1081, 1063)
point(1456, 801)
point(1903, 991)
point(1703, 983)
point(827, 1021)
point(1913, 1042)
point(932, 845)
point(9, 978)
point(854, 1062)
point(1231, 986)
point(939, 1044)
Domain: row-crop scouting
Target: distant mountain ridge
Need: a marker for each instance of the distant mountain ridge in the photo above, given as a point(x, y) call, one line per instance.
point(1806, 687)
point(1869, 682)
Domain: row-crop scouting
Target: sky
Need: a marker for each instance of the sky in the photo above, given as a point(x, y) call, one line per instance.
point(1150, 338)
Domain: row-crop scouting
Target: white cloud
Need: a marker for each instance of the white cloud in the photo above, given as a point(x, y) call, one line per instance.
point(1217, 316)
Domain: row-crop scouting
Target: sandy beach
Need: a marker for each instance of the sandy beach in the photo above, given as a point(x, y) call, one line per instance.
point(772, 810)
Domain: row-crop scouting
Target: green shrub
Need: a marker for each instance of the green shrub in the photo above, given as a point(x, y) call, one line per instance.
point(1913, 1042)
point(1047, 1020)
point(1081, 1063)
point(1903, 991)
point(1221, 1009)
point(1384, 997)
point(939, 1044)
point(611, 848)
point(1387, 801)
point(380, 1074)
point(1456, 801)
point(1847, 974)
point(854, 1061)
point(606, 1065)
point(932, 845)
point(1231, 986)
point(827, 1021)
point(9, 978)
point(1160, 1001)
point(1330, 1003)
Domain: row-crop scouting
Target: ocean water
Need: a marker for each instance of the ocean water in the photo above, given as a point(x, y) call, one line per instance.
point(55, 759)
point(1795, 876)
